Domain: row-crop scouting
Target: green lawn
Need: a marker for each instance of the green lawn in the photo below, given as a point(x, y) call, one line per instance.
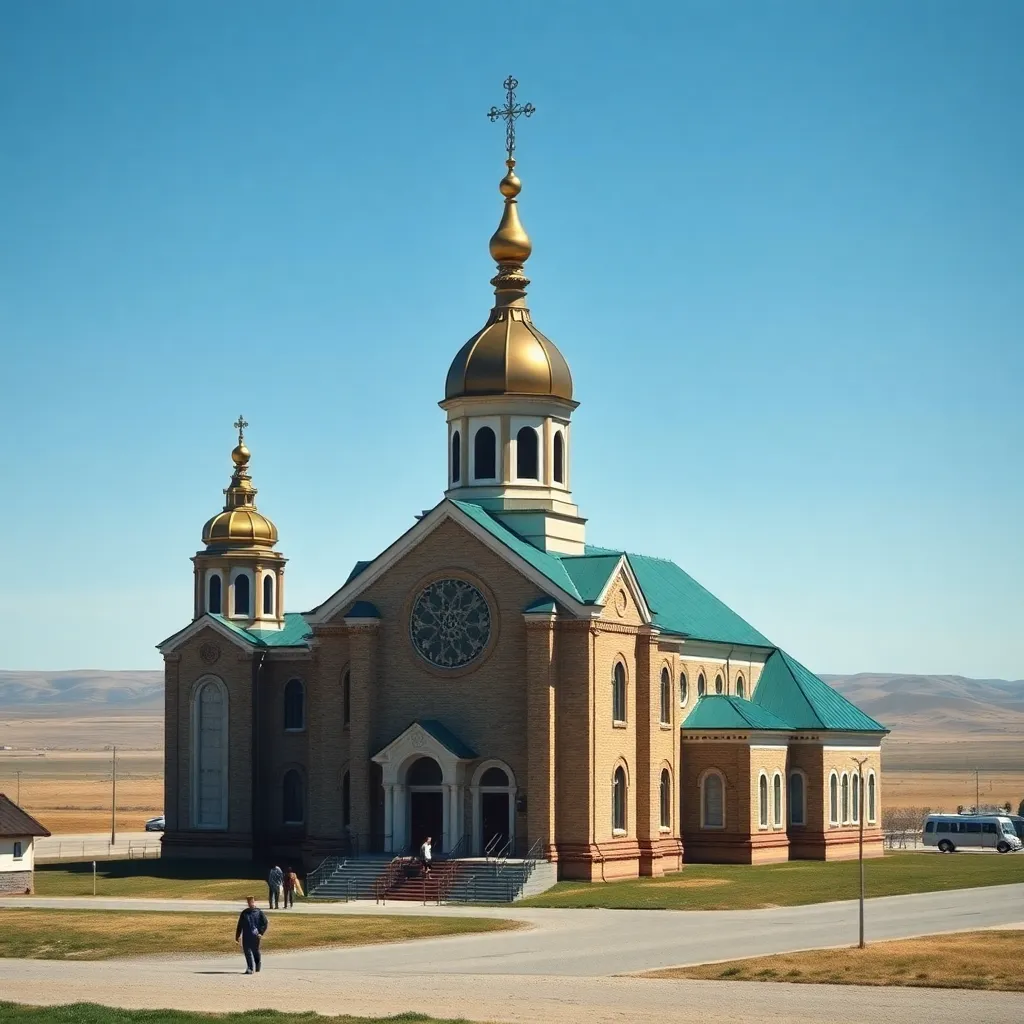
point(170, 879)
point(89, 1013)
point(745, 887)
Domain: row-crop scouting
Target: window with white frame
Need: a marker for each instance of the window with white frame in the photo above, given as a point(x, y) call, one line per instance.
point(719, 685)
point(213, 597)
point(741, 690)
point(619, 692)
point(855, 801)
point(796, 799)
point(527, 454)
point(712, 800)
point(845, 789)
point(777, 800)
point(268, 594)
point(833, 799)
point(762, 800)
point(619, 800)
point(241, 603)
point(18, 851)
point(456, 456)
point(701, 685)
point(558, 458)
point(872, 813)
point(209, 750)
point(666, 697)
point(666, 798)
point(683, 687)
point(485, 454)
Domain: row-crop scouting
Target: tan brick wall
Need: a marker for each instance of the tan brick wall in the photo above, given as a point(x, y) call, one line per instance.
point(575, 727)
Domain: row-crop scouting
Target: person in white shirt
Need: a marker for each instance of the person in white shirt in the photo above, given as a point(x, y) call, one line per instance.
point(425, 855)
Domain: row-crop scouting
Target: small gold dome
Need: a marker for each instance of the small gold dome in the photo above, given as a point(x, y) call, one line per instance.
point(239, 527)
point(240, 455)
point(509, 357)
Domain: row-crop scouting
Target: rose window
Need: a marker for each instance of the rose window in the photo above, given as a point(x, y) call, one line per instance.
point(450, 623)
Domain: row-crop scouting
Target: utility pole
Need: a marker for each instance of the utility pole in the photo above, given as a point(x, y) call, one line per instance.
point(17, 799)
point(113, 797)
point(860, 843)
point(977, 791)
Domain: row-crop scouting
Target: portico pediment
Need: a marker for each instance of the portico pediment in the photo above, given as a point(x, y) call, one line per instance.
point(426, 738)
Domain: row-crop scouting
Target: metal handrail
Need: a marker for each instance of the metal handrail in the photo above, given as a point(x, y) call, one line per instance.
point(385, 883)
point(460, 849)
point(492, 845)
point(327, 867)
point(502, 856)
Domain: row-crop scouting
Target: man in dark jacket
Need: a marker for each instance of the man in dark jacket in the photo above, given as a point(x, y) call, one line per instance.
point(275, 881)
point(252, 923)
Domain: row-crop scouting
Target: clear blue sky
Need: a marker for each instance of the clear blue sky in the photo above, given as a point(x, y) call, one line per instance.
point(781, 246)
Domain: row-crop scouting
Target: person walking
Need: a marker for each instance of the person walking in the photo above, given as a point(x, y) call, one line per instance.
point(426, 855)
point(289, 888)
point(252, 926)
point(296, 885)
point(275, 881)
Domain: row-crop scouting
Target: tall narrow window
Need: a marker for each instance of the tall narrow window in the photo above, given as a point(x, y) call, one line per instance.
point(796, 798)
point(666, 799)
point(666, 697)
point(268, 594)
point(619, 693)
point(712, 801)
point(294, 811)
point(456, 457)
point(777, 800)
point(682, 690)
point(559, 458)
point(484, 454)
point(241, 587)
point(855, 802)
point(871, 797)
point(718, 684)
point(210, 755)
point(346, 800)
point(833, 799)
point(619, 801)
point(294, 712)
point(741, 690)
point(526, 454)
point(213, 603)
point(701, 685)
point(845, 788)
point(346, 698)
point(762, 800)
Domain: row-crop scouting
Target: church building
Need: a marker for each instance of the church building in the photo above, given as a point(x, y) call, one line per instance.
point(491, 679)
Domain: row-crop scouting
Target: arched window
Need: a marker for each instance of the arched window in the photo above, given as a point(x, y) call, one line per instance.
point(619, 801)
point(268, 594)
point(796, 798)
point(666, 697)
point(845, 789)
point(855, 801)
point(456, 457)
point(213, 601)
point(871, 797)
point(294, 712)
point(424, 771)
point(666, 799)
point(526, 454)
point(294, 809)
point(833, 799)
point(484, 454)
point(718, 684)
point(740, 689)
point(494, 776)
point(346, 800)
point(558, 460)
point(701, 685)
point(619, 692)
point(712, 801)
point(777, 800)
point(762, 800)
point(683, 694)
point(241, 587)
point(346, 698)
point(210, 755)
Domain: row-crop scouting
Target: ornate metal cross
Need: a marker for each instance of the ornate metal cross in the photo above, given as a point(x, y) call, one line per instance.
point(510, 113)
point(240, 425)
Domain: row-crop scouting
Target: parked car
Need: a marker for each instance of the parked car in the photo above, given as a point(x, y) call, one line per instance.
point(1018, 824)
point(950, 832)
point(155, 824)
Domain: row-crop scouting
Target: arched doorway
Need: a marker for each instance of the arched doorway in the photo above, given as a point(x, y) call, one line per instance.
point(424, 780)
point(494, 793)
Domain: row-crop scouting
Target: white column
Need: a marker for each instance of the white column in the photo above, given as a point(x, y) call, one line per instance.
point(389, 838)
point(456, 815)
point(446, 818)
point(478, 840)
point(398, 815)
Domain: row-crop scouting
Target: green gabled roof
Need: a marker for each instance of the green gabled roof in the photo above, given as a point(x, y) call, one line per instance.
point(446, 738)
point(542, 604)
point(790, 691)
point(722, 712)
point(296, 632)
point(590, 573)
point(550, 565)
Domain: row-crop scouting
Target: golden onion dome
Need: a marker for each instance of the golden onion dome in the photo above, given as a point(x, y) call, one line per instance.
point(509, 356)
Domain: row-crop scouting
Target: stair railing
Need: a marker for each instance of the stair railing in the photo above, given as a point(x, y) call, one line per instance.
point(502, 856)
point(459, 850)
point(327, 867)
point(532, 858)
point(492, 844)
point(385, 883)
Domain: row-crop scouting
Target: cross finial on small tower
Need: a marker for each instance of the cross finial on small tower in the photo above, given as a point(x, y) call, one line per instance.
point(240, 424)
point(510, 113)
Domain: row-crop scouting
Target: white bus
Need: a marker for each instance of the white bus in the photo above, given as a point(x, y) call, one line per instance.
point(951, 832)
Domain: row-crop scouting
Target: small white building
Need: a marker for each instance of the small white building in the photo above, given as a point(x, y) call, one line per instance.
point(17, 857)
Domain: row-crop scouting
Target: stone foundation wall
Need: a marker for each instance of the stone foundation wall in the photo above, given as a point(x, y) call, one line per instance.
point(15, 882)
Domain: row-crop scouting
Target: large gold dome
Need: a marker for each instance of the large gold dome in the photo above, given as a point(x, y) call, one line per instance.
point(509, 357)
point(240, 527)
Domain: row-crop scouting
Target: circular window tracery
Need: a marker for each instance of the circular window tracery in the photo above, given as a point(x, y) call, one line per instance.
point(450, 623)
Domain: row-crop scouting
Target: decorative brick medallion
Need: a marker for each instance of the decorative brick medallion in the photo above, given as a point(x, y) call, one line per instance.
point(209, 653)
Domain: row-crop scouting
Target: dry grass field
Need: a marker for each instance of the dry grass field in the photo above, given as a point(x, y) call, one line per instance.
point(945, 790)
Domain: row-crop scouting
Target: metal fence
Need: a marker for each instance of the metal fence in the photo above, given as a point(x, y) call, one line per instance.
point(58, 850)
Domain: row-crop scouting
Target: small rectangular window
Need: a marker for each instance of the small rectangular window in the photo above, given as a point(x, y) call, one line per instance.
point(974, 826)
point(18, 851)
point(942, 826)
point(990, 827)
point(930, 827)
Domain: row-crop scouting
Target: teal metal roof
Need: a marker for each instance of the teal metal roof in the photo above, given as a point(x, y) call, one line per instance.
point(447, 738)
point(794, 693)
point(542, 604)
point(722, 712)
point(296, 632)
point(590, 573)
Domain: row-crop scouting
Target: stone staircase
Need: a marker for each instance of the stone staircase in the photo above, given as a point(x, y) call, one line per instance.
point(483, 881)
point(352, 878)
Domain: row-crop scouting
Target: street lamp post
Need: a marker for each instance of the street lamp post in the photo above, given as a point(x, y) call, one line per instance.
point(860, 839)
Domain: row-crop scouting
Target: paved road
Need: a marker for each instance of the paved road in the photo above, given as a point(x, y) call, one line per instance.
point(83, 846)
point(562, 966)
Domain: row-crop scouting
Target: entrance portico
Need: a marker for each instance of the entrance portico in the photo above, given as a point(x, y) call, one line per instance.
point(424, 766)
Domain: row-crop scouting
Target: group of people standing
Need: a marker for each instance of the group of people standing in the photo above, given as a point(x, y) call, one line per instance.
point(283, 885)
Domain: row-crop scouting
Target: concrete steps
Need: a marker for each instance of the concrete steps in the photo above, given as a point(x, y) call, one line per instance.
point(354, 879)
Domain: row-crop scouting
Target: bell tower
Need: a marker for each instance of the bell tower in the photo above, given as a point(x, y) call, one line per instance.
point(238, 574)
point(508, 395)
